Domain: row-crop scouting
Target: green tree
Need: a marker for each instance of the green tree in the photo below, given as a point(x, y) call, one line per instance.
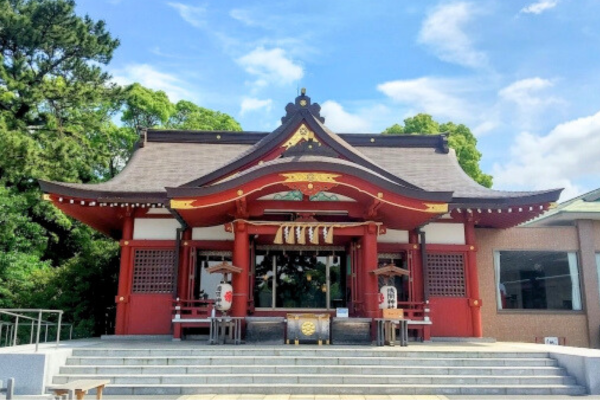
point(56, 106)
point(460, 138)
point(189, 116)
point(145, 107)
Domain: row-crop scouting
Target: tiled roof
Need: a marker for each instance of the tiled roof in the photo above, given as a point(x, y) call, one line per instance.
point(199, 158)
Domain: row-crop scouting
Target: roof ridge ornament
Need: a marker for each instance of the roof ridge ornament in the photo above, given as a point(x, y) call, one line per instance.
point(303, 105)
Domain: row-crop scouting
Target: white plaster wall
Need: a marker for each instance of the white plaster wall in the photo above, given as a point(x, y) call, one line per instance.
point(211, 233)
point(440, 233)
point(393, 236)
point(155, 229)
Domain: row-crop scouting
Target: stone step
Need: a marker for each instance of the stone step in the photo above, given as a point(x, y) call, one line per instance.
point(309, 360)
point(398, 389)
point(292, 351)
point(320, 379)
point(315, 369)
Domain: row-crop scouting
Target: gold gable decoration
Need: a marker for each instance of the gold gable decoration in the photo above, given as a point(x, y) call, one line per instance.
point(301, 134)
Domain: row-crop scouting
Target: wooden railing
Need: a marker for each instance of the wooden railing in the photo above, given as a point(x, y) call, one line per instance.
point(415, 310)
point(192, 309)
point(418, 315)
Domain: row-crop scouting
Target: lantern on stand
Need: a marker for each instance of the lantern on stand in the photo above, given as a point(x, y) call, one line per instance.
point(224, 294)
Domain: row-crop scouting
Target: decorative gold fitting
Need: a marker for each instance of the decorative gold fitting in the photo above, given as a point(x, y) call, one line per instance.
point(240, 192)
point(185, 243)
point(46, 197)
point(126, 243)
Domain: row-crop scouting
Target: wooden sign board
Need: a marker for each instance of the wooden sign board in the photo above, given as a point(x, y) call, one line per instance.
point(393, 313)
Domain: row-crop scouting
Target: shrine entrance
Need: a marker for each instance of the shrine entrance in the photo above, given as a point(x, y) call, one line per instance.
point(299, 279)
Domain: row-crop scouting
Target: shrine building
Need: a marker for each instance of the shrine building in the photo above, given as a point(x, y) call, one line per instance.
point(303, 219)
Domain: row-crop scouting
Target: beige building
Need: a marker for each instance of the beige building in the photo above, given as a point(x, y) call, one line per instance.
point(540, 280)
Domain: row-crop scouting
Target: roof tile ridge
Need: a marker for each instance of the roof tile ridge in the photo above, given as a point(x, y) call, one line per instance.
point(391, 176)
point(216, 171)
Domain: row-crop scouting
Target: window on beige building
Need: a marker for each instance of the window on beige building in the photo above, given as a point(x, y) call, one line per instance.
point(598, 267)
point(537, 280)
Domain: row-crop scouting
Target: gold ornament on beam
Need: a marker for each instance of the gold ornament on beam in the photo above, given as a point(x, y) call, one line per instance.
point(182, 204)
point(302, 133)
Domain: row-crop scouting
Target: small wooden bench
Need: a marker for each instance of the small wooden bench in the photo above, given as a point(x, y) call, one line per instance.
point(80, 388)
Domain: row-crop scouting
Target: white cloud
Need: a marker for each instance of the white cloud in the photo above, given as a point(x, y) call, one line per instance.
point(149, 77)
point(442, 31)
point(339, 120)
point(271, 66)
point(243, 16)
point(530, 99)
point(522, 92)
point(429, 95)
point(252, 104)
point(195, 16)
point(539, 7)
point(568, 154)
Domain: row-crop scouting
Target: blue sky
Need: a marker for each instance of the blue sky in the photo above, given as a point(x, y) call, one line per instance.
point(523, 75)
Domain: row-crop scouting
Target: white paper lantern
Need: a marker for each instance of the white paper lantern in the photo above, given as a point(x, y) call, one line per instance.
point(224, 297)
point(388, 297)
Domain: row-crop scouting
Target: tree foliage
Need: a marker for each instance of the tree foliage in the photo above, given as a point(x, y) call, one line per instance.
point(460, 138)
point(189, 116)
point(57, 113)
point(148, 108)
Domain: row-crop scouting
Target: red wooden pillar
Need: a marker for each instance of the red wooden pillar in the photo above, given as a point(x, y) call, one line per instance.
point(473, 277)
point(417, 284)
point(125, 275)
point(184, 266)
point(370, 285)
point(241, 281)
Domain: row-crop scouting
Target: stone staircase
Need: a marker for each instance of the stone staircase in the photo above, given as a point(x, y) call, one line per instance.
point(317, 370)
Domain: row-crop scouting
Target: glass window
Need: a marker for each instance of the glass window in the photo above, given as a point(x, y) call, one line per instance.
point(598, 267)
point(296, 279)
point(537, 280)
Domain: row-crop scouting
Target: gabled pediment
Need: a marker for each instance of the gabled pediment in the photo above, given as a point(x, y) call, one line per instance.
point(302, 133)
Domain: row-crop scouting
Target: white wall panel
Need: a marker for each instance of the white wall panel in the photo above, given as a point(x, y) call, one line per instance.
point(438, 233)
point(155, 228)
point(211, 233)
point(393, 236)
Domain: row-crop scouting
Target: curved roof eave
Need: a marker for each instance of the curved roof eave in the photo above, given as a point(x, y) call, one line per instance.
point(514, 199)
point(315, 164)
point(86, 192)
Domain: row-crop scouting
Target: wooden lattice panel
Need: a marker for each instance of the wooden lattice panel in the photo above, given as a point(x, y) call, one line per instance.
point(446, 275)
point(153, 271)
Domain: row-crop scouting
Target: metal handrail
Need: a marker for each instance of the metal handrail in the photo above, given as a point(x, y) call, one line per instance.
point(19, 314)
